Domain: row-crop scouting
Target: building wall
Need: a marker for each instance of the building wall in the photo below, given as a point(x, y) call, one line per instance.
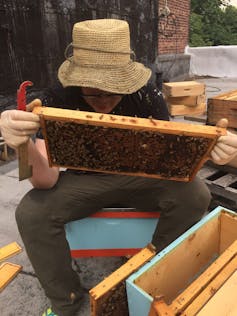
point(173, 35)
point(173, 30)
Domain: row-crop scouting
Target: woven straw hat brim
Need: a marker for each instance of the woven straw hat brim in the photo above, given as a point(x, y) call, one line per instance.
point(125, 80)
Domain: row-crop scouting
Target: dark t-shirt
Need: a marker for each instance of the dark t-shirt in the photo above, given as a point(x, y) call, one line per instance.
point(146, 102)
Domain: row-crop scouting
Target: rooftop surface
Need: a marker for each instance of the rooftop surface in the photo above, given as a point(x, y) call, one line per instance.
point(24, 296)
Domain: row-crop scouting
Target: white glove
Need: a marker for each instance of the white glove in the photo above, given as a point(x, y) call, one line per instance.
point(17, 126)
point(225, 149)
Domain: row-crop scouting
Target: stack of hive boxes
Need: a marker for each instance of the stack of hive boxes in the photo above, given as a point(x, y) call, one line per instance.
point(185, 98)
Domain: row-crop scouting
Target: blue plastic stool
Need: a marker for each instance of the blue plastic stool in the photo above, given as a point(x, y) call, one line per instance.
point(111, 232)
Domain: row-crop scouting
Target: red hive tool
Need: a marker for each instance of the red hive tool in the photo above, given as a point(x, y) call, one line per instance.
point(25, 171)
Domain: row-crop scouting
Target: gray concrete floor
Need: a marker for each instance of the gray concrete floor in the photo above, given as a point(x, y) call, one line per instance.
point(24, 296)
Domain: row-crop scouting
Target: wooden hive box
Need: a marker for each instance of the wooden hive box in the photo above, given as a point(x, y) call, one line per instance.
point(184, 278)
point(185, 98)
point(223, 106)
point(183, 88)
point(126, 145)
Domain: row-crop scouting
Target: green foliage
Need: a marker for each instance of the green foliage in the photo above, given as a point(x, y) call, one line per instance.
point(212, 22)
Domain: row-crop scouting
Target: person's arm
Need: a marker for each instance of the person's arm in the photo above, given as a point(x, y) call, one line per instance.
point(43, 177)
point(16, 129)
point(225, 150)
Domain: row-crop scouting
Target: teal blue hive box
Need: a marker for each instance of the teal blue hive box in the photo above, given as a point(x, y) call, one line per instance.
point(111, 232)
point(175, 268)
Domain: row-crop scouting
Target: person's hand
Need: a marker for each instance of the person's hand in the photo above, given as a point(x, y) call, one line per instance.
point(17, 126)
point(225, 149)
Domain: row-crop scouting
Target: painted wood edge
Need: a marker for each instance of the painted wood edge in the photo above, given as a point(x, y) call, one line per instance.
point(125, 214)
point(8, 272)
point(9, 250)
point(114, 252)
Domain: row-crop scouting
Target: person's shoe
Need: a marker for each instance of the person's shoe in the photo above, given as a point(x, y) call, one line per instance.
point(49, 312)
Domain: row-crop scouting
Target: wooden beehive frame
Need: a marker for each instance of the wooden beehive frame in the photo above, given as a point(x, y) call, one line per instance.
point(223, 105)
point(102, 294)
point(148, 147)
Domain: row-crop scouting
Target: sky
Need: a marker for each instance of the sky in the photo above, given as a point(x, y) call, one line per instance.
point(233, 2)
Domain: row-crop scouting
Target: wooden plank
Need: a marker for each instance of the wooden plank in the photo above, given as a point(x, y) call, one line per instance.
point(191, 292)
point(9, 250)
point(224, 301)
point(127, 122)
point(7, 273)
point(179, 109)
point(228, 231)
point(212, 288)
point(225, 95)
point(183, 88)
point(25, 170)
point(126, 145)
point(102, 292)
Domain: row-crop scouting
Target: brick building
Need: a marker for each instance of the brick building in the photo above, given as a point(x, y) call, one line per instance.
point(173, 36)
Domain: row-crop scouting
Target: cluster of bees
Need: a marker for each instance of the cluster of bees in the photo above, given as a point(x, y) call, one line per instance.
point(118, 150)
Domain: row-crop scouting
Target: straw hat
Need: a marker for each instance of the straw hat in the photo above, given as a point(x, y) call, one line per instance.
point(102, 58)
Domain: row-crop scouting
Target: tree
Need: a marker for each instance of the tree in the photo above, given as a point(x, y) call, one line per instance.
point(212, 22)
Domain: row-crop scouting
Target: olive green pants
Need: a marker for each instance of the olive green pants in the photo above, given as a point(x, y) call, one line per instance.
point(41, 216)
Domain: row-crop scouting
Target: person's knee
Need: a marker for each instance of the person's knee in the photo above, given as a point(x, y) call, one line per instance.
point(29, 212)
point(202, 197)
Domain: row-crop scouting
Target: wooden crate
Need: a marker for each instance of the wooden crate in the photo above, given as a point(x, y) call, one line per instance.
point(126, 145)
point(183, 88)
point(109, 296)
point(223, 106)
point(184, 277)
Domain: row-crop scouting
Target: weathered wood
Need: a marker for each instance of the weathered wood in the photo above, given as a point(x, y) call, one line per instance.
point(126, 145)
point(36, 33)
point(223, 106)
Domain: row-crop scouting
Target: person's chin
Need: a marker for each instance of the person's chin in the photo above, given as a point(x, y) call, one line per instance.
point(103, 109)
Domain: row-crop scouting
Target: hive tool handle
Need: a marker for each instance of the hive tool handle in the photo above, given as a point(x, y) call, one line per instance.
point(25, 171)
